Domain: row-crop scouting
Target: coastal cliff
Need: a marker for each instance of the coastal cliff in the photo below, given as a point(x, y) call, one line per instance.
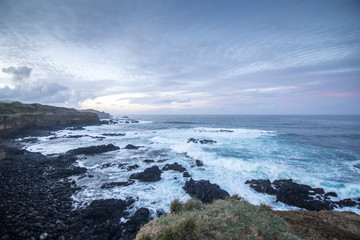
point(16, 117)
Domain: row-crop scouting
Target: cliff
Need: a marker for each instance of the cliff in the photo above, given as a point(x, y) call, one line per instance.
point(102, 115)
point(16, 117)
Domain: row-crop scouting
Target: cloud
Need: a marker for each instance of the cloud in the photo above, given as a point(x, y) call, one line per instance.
point(36, 91)
point(18, 74)
point(29, 90)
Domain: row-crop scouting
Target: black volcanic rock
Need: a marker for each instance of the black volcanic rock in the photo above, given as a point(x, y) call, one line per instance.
point(151, 174)
point(148, 161)
point(203, 141)
point(199, 163)
point(114, 134)
point(117, 184)
point(131, 147)
point(288, 192)
point(175, 166)
point(262, 186)
point(204, 190)
point(93, 150)
point(186, 174)
point(102, 210)
point(140, 218)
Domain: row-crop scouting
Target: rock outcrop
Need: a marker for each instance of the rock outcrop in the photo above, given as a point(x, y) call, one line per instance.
point(93, 150)
point(151, 174)
point(16, 117)
point(175, 167)
point(299, 195)
point(204, 190)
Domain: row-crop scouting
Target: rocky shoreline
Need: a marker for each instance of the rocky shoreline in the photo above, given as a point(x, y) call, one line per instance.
point(36, 195)
point(36, 201)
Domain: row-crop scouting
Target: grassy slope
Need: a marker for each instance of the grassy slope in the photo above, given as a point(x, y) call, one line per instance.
point(223, 219)
point(237, 219)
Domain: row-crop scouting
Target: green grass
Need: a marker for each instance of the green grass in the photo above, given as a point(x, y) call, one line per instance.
point(223, 219)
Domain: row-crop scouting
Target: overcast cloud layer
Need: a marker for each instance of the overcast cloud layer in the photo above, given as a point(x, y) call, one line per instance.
point(176, 57)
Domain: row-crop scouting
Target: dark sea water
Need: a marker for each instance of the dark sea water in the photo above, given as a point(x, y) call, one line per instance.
point(321, 151)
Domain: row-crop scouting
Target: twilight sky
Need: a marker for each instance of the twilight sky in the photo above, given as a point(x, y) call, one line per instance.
point(183, 57)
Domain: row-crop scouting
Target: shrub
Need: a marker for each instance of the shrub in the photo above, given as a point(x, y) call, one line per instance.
point(193, 204)
point(265, 207)
point(176, 206)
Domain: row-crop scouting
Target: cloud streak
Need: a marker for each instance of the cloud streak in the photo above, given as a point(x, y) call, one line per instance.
point(83, 51)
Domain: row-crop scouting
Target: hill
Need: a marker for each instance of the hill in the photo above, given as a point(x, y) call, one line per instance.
point(16, 117)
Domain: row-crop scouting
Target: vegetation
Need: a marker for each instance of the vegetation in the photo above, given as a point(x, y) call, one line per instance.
point(232, 218)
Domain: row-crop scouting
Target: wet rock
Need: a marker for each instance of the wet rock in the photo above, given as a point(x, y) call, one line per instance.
point(132, 167)
point(107, 165)
point(347, 203)
point(103, 210)
point(203, 141)
point(175, 166)
point(288, 192)
point(131, 147)
point(93, 150)
point(114, 134)
point(30, 140)
point(75, 128)
point(262, 186)
point(204, 190)
point(199, 163)
point(186, 174)
point(151, 174)
point(148, 161)
point(117, 184)
point(225, 130)
point(330, 194)
point(140, 218)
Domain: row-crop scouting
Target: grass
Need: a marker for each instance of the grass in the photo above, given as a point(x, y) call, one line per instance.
point(224, 219)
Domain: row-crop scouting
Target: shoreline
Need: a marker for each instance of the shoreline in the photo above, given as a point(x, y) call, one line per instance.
point(36, 200)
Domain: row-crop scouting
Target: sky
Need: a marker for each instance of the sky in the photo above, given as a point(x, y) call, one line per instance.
point(183, 56)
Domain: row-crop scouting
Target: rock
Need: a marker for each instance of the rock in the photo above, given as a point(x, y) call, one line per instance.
point(43, 236)
point(222, 130)
point(132, 167)
point(186, 174)
point(92, 150)
point(299, 195)
point(203, 141)
point(347, 203)
point(318, 190)
point(141, 217)
point(107, 165)
point(117, 184)
point(148, 161)
point(102, 210)
point(114, 134)
point(75, 128)
point(199, 163)
point(331, 194)
point(204, 190)
point(131, 147)
point(175, 166)
point(2, 152)
point(288, 192)
point(151, 174)
point(262, 186)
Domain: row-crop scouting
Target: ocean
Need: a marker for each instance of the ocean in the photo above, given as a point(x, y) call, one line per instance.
point(321, 151)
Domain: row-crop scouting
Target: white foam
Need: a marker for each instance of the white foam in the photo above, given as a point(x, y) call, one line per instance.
point(238, 155)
